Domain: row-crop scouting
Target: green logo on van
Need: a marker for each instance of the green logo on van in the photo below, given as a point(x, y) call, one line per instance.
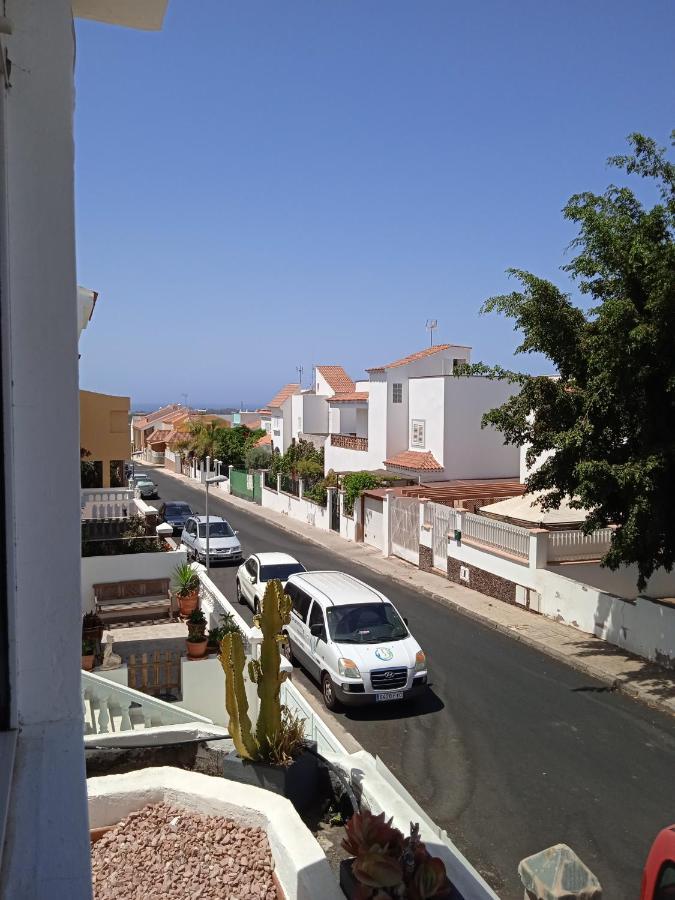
point(384, 653)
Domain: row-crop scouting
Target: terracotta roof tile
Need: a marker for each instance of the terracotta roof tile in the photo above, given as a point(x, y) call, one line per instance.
point(157, 436)
point(286, 391)
point(348, 397)
point(163, 413)
point(337, 378)
point(264, 441)
point(421, 354)
point(415, 460)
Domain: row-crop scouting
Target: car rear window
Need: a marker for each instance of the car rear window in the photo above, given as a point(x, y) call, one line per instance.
point(282, 571)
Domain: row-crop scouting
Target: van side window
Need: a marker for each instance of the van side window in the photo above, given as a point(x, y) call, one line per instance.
point(301, 601)
point(316, 616)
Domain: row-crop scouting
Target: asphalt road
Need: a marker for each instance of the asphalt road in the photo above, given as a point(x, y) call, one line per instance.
point(512, 751)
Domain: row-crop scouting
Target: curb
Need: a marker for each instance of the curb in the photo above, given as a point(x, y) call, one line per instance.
point(614, 683)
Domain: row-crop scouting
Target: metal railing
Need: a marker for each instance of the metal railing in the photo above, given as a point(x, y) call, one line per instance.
point(575, 546)
point(349, 442)
point(501, 535)
point(290, 485)
point(110, 707)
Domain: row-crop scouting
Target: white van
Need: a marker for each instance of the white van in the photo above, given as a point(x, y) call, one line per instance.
point(352, 640)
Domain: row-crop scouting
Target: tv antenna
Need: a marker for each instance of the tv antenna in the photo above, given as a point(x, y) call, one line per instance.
point(431, 324)
point(299, 370)
point(184, 396)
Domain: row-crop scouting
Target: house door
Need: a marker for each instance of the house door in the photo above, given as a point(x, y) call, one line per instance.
point(335, 511)
point(404, 516)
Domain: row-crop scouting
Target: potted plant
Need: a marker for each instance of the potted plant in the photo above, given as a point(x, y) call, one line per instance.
point(92, 628)
point(87, 655)
point(186, 581)
point(273, 754)
point(196, 623)
point(216, 635)
point(386, 864)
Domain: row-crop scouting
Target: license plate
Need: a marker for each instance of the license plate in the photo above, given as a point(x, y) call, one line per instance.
point(394, 695)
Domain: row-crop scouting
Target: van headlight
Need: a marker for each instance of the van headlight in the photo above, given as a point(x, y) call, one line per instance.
point(348, 668)
point(420, 661)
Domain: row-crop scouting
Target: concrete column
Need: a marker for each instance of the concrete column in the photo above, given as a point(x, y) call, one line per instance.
point(229, 473)
point(358, 520)
point(538, 556)
point(386, 522)
point(279, 483)
point(459, 524)
point(558, 874)
point(301, 487)
point(208, 466)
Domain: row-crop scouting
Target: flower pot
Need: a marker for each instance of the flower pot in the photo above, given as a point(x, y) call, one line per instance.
point(188, 603)
point(95, 634)
point(298, 782)
point(196, 631)
point(196, 649)
point(350, 886)
point(88, 662)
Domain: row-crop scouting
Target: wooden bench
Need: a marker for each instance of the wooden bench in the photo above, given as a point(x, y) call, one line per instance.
point(124, 600)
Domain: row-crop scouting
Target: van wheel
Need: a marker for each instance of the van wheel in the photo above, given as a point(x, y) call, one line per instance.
point(287, 650)
point(328, 691)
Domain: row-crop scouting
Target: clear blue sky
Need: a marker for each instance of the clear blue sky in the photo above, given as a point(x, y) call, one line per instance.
point(263, 185)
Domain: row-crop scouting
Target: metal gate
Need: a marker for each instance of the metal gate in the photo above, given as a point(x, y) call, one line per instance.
point(404, 517)
point(335, 511)
point(442, 522)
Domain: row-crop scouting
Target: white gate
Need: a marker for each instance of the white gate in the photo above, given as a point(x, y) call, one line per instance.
point(404, 517)
point(442, 521)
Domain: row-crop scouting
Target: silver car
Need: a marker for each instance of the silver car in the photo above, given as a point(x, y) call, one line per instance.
point(146, 488)
point(223, 542)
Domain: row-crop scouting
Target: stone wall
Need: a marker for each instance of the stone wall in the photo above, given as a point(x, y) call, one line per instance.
point(426, 562)
point(480, 580)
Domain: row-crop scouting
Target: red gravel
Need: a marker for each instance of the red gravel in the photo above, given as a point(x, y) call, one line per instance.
point(164, 852)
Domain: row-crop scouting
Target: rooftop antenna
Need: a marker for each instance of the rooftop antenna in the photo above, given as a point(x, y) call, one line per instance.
point(431, 324)
point(184, 396)
point(299, 370)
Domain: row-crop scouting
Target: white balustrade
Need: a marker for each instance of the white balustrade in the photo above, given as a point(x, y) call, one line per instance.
point(110, 707)
point(575, 546)
point(110, 495)
point(501, 535)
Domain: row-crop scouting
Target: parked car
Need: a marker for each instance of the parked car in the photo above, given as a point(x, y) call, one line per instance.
point(223, 541)
point(146, 488)
point(175, 513)
point(351, 638)
point(658, 877)
point(253, 575)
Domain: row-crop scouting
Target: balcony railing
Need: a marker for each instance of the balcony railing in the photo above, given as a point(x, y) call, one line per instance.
point(575, 546)
point(349, 442)
point(112, 708)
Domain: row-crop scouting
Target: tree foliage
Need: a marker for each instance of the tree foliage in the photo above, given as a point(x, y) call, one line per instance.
point(229, 445)
point(609, 417)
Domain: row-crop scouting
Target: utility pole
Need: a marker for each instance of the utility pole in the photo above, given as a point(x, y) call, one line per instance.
point(431, 324)
point(299, 370)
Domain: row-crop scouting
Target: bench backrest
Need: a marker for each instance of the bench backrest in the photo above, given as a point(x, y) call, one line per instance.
point(113, 591)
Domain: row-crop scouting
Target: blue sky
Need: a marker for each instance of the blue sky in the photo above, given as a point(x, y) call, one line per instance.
point(263, 185)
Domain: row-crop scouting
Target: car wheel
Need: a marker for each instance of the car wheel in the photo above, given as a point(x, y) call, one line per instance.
point(240, 596)
point(328, 691)
point(287, 650)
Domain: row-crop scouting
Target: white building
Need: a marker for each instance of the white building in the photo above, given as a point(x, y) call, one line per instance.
point(415, 418)
point(279, 412)
point(44, 835)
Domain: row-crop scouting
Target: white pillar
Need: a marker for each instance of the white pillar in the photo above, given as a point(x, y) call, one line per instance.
point(386, 522)
point(538, 555)
point(301, 488)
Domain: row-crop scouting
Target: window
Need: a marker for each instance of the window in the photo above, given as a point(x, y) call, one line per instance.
point(277, 432)
point(316, 616)
point(251, 567)
point(300, 600)
point(417, 432)
point(458, 363)
point(666, 886)
point(282, 571)
point(216, 530)
point(397, 393)
point(365, 623)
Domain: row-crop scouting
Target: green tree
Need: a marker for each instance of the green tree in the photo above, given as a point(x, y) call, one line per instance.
point(610, 415)
point(258, 458)
point(232, 445)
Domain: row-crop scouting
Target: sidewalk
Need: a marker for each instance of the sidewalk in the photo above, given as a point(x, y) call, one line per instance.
point(618, 670)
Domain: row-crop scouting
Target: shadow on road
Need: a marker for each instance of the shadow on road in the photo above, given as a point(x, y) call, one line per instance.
point(424, 705)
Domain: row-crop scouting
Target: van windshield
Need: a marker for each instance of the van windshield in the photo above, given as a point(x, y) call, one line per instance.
point(365, 623)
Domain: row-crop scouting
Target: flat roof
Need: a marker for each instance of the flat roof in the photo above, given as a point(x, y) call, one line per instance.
point(338, 588)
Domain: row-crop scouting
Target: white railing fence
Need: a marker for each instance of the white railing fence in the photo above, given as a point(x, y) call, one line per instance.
point(505, 537)
point(110, 495)
point(443, 520)
point(575, 546)
point(110, 707)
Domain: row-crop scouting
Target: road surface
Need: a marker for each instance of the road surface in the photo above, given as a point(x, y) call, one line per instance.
point(512, 751)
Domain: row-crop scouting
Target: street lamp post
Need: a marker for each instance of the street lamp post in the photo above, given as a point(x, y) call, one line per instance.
point(215, 480)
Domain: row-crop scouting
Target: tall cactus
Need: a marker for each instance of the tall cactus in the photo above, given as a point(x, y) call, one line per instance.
point(266, 672)
point(232, 659)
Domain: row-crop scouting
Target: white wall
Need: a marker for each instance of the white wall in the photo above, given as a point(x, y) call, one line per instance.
point(128, 567)
point(427, 403)
point(373, 522)
point(300, 509)
point(46, 851)
point(623, 582)
point(470, 451)
point(315, 414)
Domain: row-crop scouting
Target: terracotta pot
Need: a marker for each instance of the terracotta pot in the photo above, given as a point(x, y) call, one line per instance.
point(196, 649)
point(88, 662)
point(95, 635)
point(188, 603)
